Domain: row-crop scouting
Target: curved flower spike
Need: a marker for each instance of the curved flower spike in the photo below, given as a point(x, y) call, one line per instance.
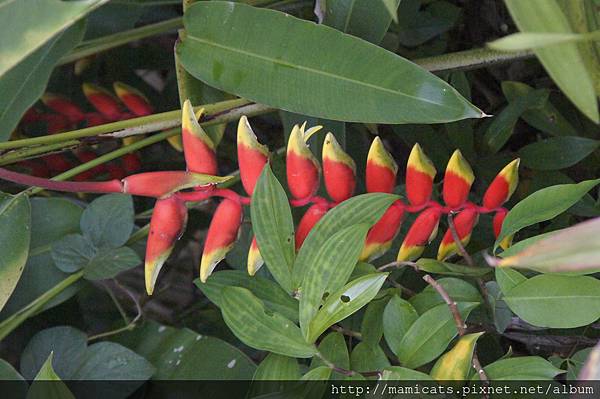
point(381, 235)
point(457, 180)
point(497, 225)
point(133, 99)
point(255, 260)
point(308, 221)
point(103, 101)
point(166, 227)
point(222, 234)
point(252, 156)
point(381, 169)
point(420, 173)
point(302, 169)
point(198, 148)
point(339, 170)
point(64, 106)
point(163, 184)
point(463, 223)
point(503, 186)
point(422, 232)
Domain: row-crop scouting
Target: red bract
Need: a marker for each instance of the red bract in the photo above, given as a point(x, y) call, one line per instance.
point(252, 156)
point(63, 106)
point(222, 233)
point(497, 225)
point(381, 235)
point(503, 186)
point(302, 169)
point(103, 101)
point(339, 170)
point(168, 222)
point(198, 148)
point(420, 173)
point(131, 162)
point(463, 223)
point(381, 169)
point(133, 99)
point(422, 232)
point(457, 180)
point(308, 221)
point(161, 184)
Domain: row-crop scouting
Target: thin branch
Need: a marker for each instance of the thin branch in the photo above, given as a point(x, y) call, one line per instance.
point(461, 248)
point(347, 332)
point(398, 265)
point(460, 324)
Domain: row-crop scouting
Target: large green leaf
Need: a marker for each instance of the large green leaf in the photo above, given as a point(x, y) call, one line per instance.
point(521, 368)
point(429, 336)
point(183, 354)
point(329, 269)
point(398, 316)
point(28, 24)
point(259, 328)
point(273, 227)
point(367, 19)
point(563, 62)
point(345, 302)
point(543, 205)
point(225, 47)
point(274, 298)
point(26, 82)
point(557, 152)
point(108, 220)
point(556, 301)
point(365, 208)
point(15, 233)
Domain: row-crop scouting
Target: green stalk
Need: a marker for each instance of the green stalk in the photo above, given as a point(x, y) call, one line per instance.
point(33, 152)
point(469, 59)
point(140, 125)
point(118, 39)
point(14, 321)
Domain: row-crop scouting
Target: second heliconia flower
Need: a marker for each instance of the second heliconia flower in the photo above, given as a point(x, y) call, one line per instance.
point(302, 169)
point(252, 156)
point(339, 170)
point(457, 180)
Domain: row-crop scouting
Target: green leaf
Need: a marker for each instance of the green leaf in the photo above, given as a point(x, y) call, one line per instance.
point(521, 368)
point(72, 252)
point(563, 62)
point(273, 227)
point(274, 298)
point(459, 290)
point(18, 385)
point(557, 152)
point(398, 373)
point(333, 348)
point(329, 269)
point(49, 17)
point(417, 24)
point(574, 250)
point(577, 362)
point(456, 363)
point(371, 327)
point(398, 316)
point(15, 234)
point(366, 357)
point(517, 247)
point(366, 19)
point(108, 220)
point(321, 373)
point(26, 82)
point(248, 319)
point(429, 336)
point(109, 361)
point(345, 302)
point(532, 41)
point(183, 354)
point(276, 367)
point(109, 263)
point(508, 278)
point(55, 390)
point(555, 301)
point(503, 124)
point(546, 118)
point(543, 205)
point(364, 208)
point(451, 269)
point(225, 48)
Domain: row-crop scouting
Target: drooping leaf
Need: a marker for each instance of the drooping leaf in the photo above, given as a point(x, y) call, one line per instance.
point(563, 62)
point(15, 234)
point(345, 302)
point(554, 301)
point(543, 205)
point(259, 328)
point(521, 368)
point(456, 363)
point(329, 269)
point(108, 220)
point(398, 316)
point(49, 17)
point(430, 335)
point(557, 152)
point(26, 82)
point(225, 48)
point(272, 295)
point(273, 227)
point(364, 208)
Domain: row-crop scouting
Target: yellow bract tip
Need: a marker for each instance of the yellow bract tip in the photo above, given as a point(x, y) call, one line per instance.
point(246, 137)
point(409, 253)
point(332, 150)
point(189, 122)
point(211, 260)
point(255, 260)
point(420, 161)
point(511, 174)
point(122, 89)
point(380, 156)
point(459, 166)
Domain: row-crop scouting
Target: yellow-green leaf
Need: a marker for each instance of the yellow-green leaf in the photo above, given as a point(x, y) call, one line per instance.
point(456, 363)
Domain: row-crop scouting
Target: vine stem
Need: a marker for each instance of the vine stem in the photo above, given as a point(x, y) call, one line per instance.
point(458, 320)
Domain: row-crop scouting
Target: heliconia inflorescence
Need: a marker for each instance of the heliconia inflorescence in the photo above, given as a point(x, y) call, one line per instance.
point(303, 172)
